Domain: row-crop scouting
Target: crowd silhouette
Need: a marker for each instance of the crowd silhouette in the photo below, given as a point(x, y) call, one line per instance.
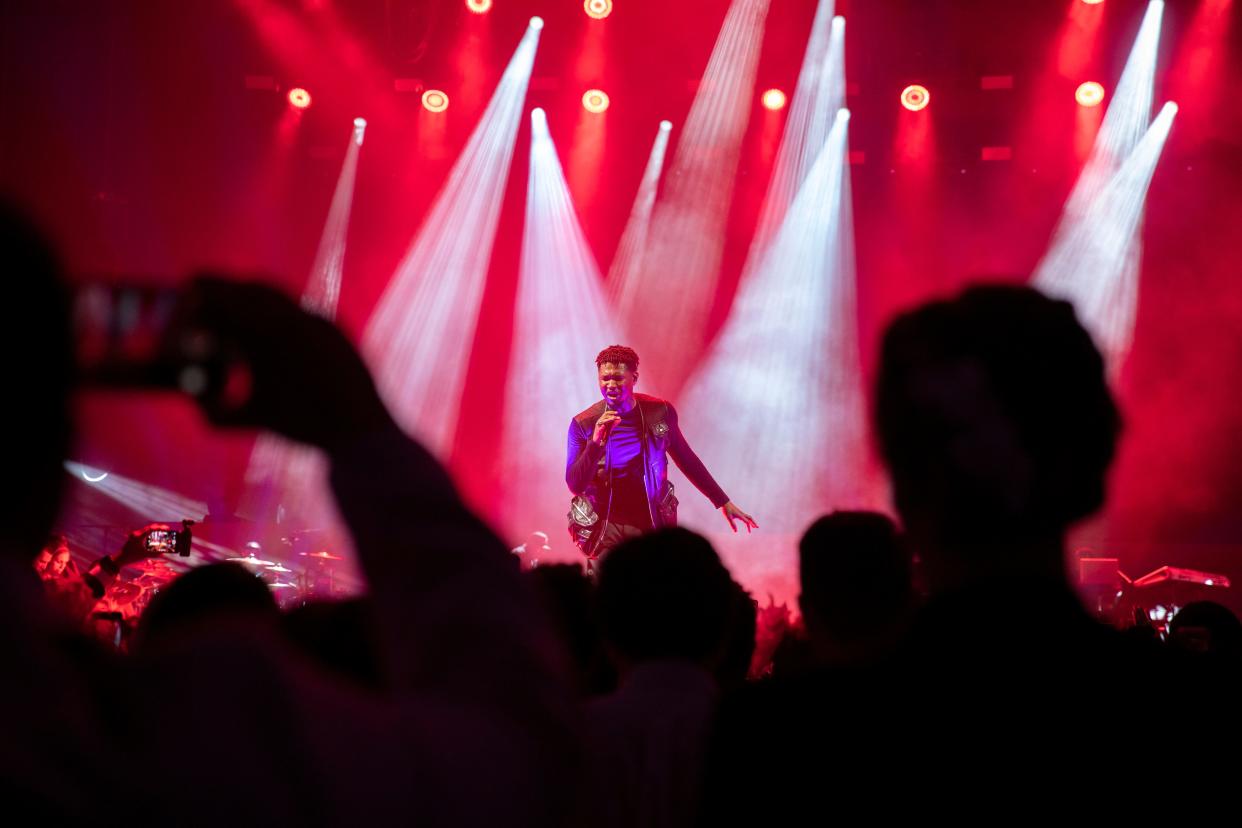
point(942, 660)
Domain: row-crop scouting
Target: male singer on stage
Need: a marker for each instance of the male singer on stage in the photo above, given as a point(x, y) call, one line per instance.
point(618, 462)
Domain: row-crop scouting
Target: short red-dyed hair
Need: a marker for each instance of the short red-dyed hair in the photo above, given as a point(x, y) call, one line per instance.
point(618, 354)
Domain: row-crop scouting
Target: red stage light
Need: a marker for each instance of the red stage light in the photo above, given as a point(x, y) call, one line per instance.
point(774, 99)
point(479, 6)
point(1089, 94)
point(595, 100)
point(299, 97)
point(915, 97)
point(597, 9)
point(1092, 2)
point(435, 101)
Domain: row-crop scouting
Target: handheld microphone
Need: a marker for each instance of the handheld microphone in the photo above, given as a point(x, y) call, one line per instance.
point(608, 406)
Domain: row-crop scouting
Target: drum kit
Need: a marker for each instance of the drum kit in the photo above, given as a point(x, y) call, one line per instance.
point(129, 595)
point(318, 578)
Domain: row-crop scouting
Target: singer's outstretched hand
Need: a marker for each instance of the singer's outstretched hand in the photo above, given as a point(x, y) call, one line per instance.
point(732, 513)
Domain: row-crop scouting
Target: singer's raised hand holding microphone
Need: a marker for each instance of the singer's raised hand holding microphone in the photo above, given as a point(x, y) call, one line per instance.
point(604, 425)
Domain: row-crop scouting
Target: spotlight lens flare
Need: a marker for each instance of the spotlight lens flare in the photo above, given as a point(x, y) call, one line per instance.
point(915, 97)
point(435, 101)
point(666, 125)
point(479, 6)
point(595, 100)
point(774, 100)
point(1089, 94)
point(361, 123)
point(299, 98)
point(597, 9)
point(536, 23)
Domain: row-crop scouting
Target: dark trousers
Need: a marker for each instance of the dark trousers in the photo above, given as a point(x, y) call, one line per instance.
point(614, 534)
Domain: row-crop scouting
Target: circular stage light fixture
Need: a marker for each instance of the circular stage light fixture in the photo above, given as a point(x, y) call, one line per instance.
point(598, 9)
point(435, 101)
point(536, 23)
point(915, 97)
point(299, 97)
point(479, 6)
point(595, 100)
point(1089, 94)
point(1093, 2)
point(774, 100)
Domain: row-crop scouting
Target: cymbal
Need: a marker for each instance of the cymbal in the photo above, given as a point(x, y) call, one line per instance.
point(250, 560)
point(278, 568)
point(322, 555)
point(282, 585)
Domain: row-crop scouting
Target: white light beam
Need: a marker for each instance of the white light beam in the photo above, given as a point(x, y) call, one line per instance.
point(667, 311)
point(1094, 260)
point(561, 321)
point(627, 262)
point(418, 340)
point(778, 409)
point(1105, 294)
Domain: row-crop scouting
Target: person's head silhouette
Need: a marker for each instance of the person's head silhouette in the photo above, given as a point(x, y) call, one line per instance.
point(997, 426)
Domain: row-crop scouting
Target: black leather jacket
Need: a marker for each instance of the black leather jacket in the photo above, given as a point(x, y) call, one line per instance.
point(586, 473)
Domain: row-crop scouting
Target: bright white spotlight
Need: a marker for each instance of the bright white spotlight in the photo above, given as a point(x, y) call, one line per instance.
point(417, 341)
point(597, 9)
point(97, 477)
point(299, 98)
point(773, 100)
point(595, 100)
point(622, 275)
point(915, 97)
point(434, 100)
point(536, 23)
point(1089, 94)
point(561, 321)
point(360, 129)
point(667, 311)
point(479, 6)
point(1093, 258)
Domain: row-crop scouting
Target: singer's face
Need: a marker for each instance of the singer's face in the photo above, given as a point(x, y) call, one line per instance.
point(616, 383)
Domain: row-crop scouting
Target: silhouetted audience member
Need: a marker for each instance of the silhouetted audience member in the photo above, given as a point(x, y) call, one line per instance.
point(340, 637)
point(665, 605)
point(216, 594)
point(567, 595)
point(857, 592)
point(739, 646)
point(1209, 628)
point(477, 724)
point(997, 426)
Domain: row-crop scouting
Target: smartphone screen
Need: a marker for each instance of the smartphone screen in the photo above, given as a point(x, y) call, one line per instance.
point(161, 540)
point(120, 331)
